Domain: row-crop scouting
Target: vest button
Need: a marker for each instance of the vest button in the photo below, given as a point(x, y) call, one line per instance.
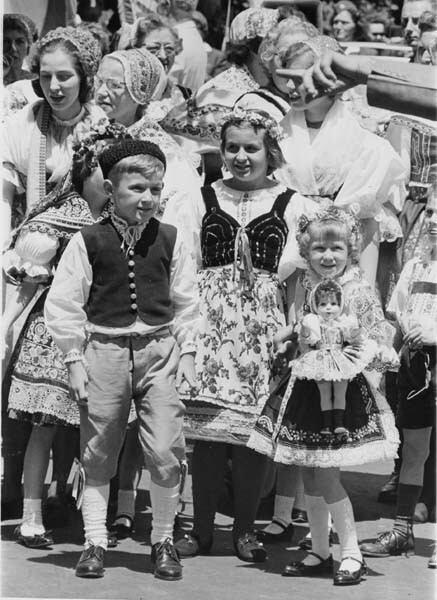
point(133, 296)
point(131, 263)
point(132, 285)
point(131, 275)
point(134, 306)
point(131, 252)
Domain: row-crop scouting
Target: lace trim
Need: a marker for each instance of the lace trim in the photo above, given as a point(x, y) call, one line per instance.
point(74, 356)
point(413, 124)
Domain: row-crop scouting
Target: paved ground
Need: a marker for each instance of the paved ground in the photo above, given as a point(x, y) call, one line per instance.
point(50, 573)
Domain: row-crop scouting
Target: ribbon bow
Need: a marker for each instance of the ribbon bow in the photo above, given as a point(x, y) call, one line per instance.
point(243, 262)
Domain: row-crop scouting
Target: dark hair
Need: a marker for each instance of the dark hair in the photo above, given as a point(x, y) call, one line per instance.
point(239, 54)
point(328, 288)
point(22, 23)
point(99, 33)
point(356, 15)
point(86, 84)
point(275, 158)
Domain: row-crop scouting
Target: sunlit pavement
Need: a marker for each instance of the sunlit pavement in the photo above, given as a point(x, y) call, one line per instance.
point(49, 573)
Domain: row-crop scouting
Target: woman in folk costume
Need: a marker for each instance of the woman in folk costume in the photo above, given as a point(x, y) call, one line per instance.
point(127, 81)
point(243, 228)
point(37, 152)
point(37, 140)
point(39, 391)
point(331, 156)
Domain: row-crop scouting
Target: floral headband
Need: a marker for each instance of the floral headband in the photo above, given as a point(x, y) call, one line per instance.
point(102, 130)
point(256, 119)
point(330, 213)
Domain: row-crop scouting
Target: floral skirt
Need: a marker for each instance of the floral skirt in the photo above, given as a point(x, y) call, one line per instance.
point(234, 355)
point(288, 429)
point(39, 390)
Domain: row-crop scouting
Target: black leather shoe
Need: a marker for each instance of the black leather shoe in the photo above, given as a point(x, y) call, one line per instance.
point(42, 540)
point(390, 543)
point(250, 549)
point(299, 516)
point(306, 542)
point(389, 491)
point(189, 546)
point(91, 562)
point(344, 577)
point(283, 536)
point(121, 530)
point(300, 569)
point(166, 561)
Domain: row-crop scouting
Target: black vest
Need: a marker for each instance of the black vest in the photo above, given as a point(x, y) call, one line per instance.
point(127, 286)
point(267, 233)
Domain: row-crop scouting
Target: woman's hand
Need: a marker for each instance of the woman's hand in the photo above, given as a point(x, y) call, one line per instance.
point(186, 371)
point(418, 335)
point(78, 382)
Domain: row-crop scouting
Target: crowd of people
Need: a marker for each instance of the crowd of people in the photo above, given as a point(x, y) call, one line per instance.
point(219, 249)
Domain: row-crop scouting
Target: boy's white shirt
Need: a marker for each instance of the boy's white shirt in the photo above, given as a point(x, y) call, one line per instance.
point(64, 309)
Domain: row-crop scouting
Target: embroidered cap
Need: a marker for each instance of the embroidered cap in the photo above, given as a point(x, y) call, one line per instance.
point(116, 152)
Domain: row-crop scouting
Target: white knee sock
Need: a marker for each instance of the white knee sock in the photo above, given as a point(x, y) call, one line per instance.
point(126, 503)
point(164, 505)
point(32, 517)
point(94, 509)
point(318, 519)
point(343, 517)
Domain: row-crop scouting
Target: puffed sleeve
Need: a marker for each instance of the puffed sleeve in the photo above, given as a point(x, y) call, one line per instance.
point(376, 177)
point(17, 131)
point(291, 259)
point(32, 257)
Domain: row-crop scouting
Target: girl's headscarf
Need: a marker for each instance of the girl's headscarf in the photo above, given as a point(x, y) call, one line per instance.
point(144, 74)
point(252, 23)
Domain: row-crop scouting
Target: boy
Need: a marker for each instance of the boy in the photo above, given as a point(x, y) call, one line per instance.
point(127, 283)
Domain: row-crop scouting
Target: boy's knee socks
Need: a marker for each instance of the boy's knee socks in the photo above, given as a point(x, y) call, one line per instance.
point(94, 509)
point(164, 506)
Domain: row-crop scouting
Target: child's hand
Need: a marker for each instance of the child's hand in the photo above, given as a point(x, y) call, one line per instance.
point(418, 335)
point(282, 339)
point(186, 371)
point(78, 381)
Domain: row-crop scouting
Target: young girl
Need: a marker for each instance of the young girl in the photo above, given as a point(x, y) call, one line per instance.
point(39, 392)
point(244, 229)
point(289, 427)
point(326, 332)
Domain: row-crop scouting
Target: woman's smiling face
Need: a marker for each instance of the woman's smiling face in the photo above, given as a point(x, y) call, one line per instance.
point(111, 92)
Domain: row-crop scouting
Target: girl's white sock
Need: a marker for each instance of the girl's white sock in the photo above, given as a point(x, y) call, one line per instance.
point(32, 517)
point(164, 506)
point(343, 517)
point(94, 509)
point(318, 519)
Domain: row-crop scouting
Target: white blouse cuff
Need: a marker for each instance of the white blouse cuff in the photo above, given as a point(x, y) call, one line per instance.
point(74, 356)
point(20, 270)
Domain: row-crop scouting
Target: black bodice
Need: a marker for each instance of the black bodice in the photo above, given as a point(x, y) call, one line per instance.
point(267, 233)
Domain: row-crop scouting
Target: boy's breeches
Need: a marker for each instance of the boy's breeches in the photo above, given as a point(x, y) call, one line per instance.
point(142, 368)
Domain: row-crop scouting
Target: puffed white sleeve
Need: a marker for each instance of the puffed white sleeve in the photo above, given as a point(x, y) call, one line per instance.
point(16, 133)
point(290, 258)
point(64, 310)
point(376, 177)
point(309, 329)
point(185, 296)
point(32, 256)
point(398, 302)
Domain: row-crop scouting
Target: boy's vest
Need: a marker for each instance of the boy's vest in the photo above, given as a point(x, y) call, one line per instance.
point(130, 285)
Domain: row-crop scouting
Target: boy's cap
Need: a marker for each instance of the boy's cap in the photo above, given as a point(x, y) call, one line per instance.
point(116, 152)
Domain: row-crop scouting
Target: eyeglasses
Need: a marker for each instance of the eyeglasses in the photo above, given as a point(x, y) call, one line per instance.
point(156, 48)
point(113, 85)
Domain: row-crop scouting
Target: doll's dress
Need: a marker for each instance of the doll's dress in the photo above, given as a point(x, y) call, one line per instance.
point(329, 360)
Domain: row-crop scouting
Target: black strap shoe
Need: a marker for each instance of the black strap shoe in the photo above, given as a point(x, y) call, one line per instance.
point(250, 549)
point(390, 543)
point(91, 562)
point(166, 561)
point(345, 577)
point(283, 536)
point(300, 569)
point(40, 540)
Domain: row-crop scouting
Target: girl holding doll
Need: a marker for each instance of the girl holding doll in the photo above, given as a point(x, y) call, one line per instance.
point(244, 227)
point(289, 427)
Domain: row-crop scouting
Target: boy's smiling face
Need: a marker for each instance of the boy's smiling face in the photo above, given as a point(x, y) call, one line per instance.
point(136, 197)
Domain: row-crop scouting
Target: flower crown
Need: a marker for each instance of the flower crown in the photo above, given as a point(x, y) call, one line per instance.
point(331, 213)
point(102, 130)
point(255, 118)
